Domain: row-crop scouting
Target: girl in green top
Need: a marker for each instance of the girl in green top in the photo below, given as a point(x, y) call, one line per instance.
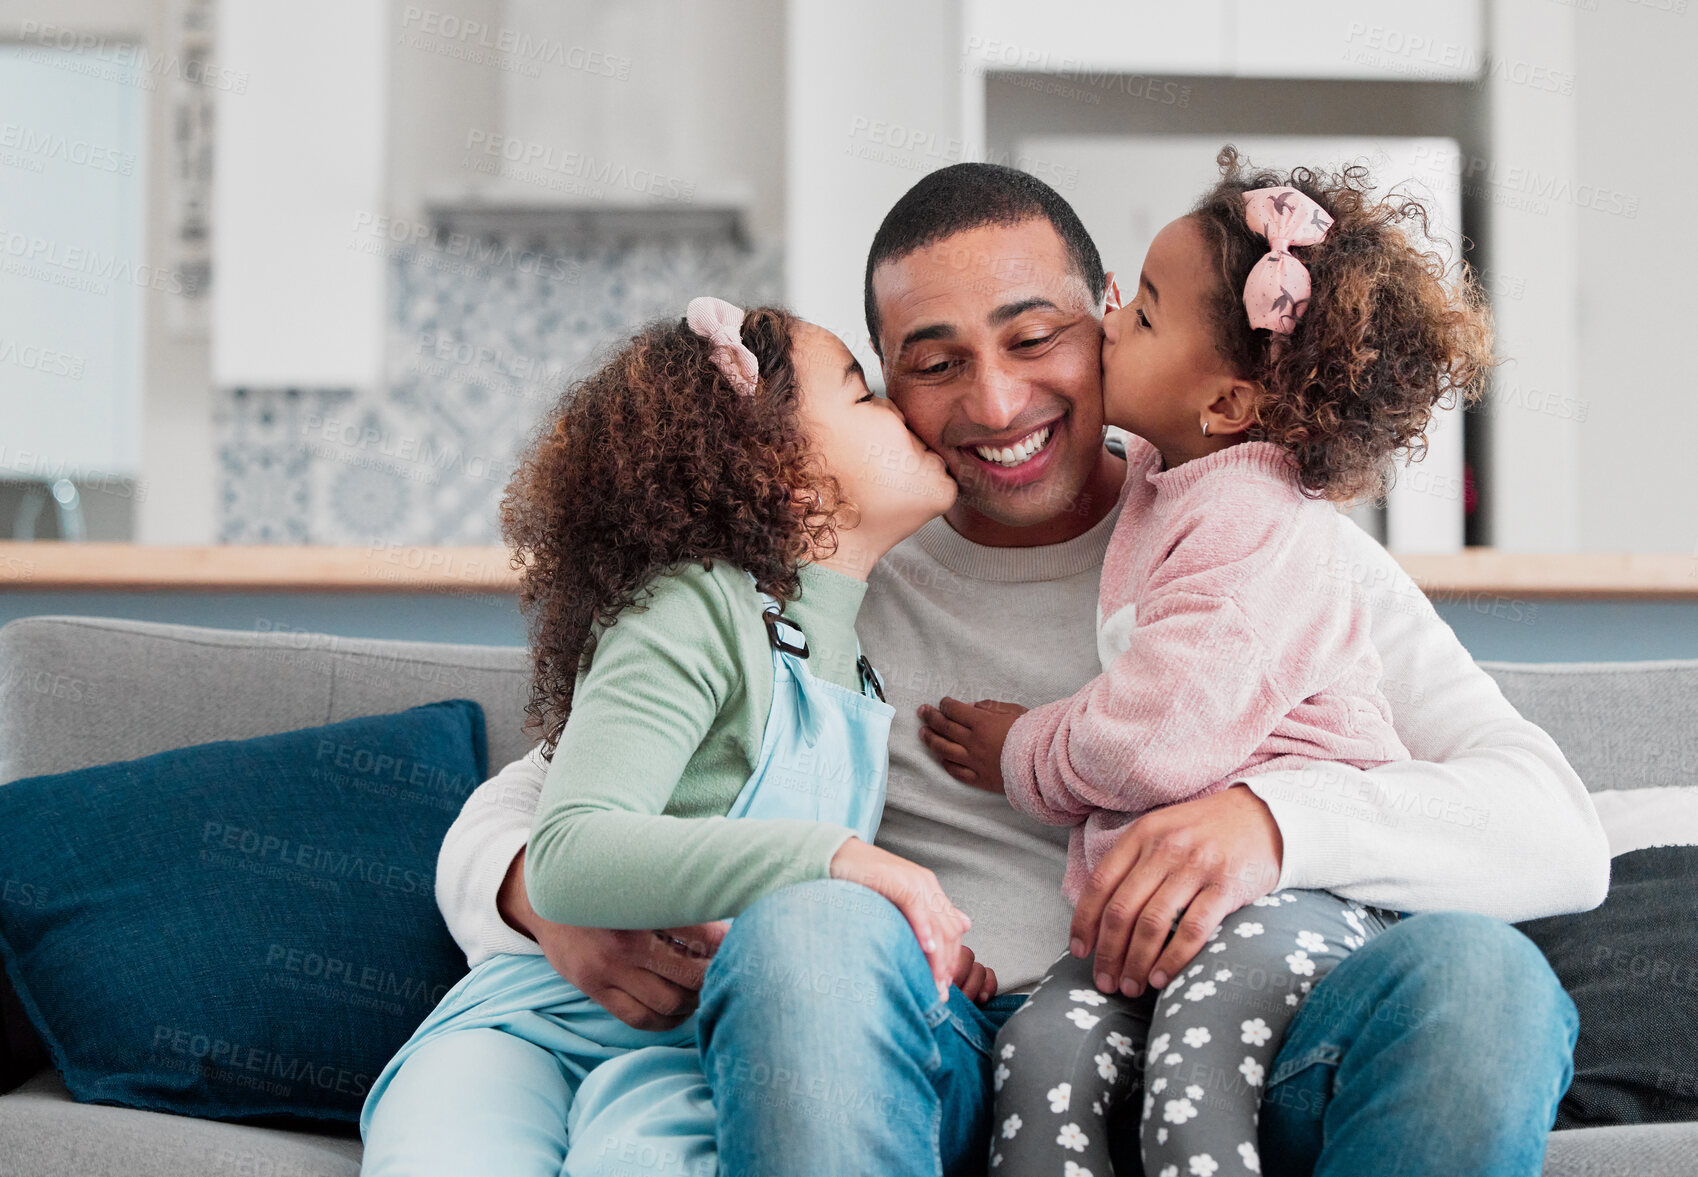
point(695, 524)
point(668, 493)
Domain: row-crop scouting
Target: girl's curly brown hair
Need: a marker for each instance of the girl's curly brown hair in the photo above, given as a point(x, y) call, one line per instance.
point(1384, 341)
point(653, 462)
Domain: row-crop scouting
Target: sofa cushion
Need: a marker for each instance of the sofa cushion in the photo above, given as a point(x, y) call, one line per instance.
point(47, 1134)
point(1641, 1150)
point(76, 691)
point(242, 928)
point(1631, 967)
point(1622, 725)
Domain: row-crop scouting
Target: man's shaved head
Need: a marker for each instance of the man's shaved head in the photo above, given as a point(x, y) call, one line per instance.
point(968, 196)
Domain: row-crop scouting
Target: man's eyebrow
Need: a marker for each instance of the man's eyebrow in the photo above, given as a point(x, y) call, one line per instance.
point(1002, 314)
point(925, 334)
point(1013, 310)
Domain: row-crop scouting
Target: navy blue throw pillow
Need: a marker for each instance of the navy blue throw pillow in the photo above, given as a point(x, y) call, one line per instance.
point(1631, 967)
point(243, 929)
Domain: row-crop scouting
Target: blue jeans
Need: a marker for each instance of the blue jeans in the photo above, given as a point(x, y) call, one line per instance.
point(1442, 1046)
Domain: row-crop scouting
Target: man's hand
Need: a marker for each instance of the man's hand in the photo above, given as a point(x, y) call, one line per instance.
point(648, 980)
point(968, 738)
point(976, 982)
point(1201, 859)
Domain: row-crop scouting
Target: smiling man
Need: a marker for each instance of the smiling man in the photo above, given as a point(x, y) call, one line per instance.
point(1009, 311)
point(1440, 1047)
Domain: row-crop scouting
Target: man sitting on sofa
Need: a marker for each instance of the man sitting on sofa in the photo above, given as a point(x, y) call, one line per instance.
point(1442, 1046)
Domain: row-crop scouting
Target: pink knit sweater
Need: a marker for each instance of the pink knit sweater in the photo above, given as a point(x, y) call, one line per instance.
point(1229, 643)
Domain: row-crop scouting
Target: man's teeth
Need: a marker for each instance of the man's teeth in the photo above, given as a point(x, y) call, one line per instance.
point(1020, 451)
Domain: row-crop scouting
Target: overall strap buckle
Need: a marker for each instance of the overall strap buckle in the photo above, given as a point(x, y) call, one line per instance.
point(773, 620)
point(870, 677)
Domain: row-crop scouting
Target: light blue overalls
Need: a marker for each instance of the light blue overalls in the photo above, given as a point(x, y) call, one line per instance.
point(518, 1073)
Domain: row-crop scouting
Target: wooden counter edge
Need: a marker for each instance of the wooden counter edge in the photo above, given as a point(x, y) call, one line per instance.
point(108, 567)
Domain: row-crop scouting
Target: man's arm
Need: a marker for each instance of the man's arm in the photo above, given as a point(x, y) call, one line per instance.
point(490, 831)
point(1489, 816)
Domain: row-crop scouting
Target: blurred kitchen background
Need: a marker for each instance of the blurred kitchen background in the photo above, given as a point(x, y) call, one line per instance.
point(309, 273)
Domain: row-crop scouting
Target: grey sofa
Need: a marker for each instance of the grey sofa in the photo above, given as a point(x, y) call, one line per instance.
point(82, 691)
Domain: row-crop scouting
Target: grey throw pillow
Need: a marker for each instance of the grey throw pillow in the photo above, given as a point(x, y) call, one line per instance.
point(1631, 967)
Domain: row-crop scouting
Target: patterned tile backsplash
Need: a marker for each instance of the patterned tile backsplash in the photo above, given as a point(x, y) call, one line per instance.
point(477, 351)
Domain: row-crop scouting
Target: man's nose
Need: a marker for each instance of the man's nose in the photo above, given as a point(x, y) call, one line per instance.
point(996, 398)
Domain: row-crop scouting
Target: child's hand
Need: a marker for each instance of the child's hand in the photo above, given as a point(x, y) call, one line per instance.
point(968, 737)
point(976, 982)
point(915, 891)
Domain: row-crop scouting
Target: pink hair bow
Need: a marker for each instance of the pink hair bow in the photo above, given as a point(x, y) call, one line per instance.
point(1277, 291)
point(721, 324)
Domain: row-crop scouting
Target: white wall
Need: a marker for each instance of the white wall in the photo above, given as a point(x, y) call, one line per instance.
point(1637, 109)
point(1535, 456)
point(873, 98)
point(1588, 187)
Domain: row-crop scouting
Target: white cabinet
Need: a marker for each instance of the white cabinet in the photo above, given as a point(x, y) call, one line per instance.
point(1440, 40)
point(73, 267)
point(1122, 36)
point(298, 195)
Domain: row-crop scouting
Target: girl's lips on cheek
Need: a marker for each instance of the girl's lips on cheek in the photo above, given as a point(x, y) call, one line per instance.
point(921, 451)
point(922, 447)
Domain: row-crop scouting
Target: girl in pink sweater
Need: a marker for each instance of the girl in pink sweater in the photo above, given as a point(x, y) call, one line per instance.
point(1286, 342)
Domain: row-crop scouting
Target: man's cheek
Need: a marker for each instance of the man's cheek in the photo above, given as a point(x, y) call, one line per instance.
point(1077, 368)
point(924, 415)
point(1084, 393)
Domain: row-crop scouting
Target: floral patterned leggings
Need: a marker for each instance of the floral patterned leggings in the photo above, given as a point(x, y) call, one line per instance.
point(1071, 1055)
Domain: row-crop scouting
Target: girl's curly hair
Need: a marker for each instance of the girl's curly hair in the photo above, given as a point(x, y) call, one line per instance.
point(652, 462)
point(1384, 341)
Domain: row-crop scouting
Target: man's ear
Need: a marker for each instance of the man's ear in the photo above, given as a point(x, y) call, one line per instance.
point(1234, 410)
point(1111, 295)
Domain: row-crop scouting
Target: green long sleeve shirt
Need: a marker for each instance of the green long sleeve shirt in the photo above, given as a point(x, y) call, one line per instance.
point(665, 730)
